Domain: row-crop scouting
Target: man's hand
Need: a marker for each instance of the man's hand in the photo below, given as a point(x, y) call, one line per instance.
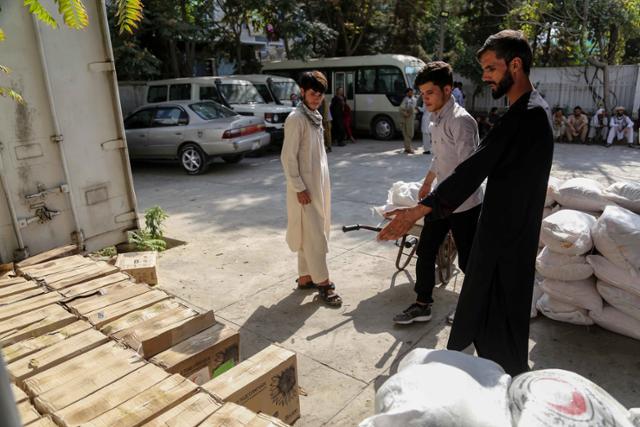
point(424, 191)
point(402, 222)
point(304, 197)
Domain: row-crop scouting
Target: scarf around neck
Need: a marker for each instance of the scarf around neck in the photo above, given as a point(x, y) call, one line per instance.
point(313, 116)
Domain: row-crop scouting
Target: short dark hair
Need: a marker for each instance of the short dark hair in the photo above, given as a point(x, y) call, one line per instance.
point(437, 72)
point(407, 90)
point(577, 107)
point(509, 44)
point(314, 80)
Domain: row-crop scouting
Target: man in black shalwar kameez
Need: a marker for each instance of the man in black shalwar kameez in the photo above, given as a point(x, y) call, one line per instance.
point(495, 301)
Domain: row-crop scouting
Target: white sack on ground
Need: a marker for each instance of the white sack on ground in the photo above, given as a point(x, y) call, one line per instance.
point(624, 301)
point(579, 293)
point(552, 191)
point(583, 194)
point(625, 194)
point(616, 321)
point(558, 310)
point(568, 232)
point(537, 293)
point(616, 235)
point(553, 397)
point(557, 266)
point(625, 279)
point(443, 388)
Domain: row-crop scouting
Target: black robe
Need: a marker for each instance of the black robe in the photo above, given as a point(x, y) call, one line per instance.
point(495, 301)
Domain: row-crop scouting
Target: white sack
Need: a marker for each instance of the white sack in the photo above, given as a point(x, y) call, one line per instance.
point(616, 235)
point(557, 266)
point(568, 232)
point(552, 191)
point(404, 193)
point(443, 388)
point(627, 280)
point(635, 416)
point(553, 397)
point(557, 310)
point(583, 194)
point(537, 293)
point(616, 321)
point(625, 194)
point(624, 301)
point(579, 293)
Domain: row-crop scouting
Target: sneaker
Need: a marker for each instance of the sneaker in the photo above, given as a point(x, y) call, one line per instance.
point(415, 313)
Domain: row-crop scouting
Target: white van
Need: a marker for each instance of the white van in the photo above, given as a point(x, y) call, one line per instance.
point(274, 89)
point(238, 94)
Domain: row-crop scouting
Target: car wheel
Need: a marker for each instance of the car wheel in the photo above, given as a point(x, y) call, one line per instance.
point(193, 159)
point(383, 128)
point(233, 158)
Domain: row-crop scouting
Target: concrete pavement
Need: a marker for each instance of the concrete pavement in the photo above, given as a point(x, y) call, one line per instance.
point(236, 262)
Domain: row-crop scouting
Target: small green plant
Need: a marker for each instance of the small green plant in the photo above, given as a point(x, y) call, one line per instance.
point(109, 251)
point(150, 239)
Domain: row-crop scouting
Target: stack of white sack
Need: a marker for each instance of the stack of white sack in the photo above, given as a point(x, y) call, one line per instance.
point(401, 195)
point(616, 235)
point(447, 388)
point(568, 283)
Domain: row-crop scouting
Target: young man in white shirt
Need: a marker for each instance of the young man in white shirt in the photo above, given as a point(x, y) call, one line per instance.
point(454, 136)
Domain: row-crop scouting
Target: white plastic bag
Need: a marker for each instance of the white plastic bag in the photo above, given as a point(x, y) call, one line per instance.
point(625, 194)
point(557, 266)
point(568, 232)
point(552, 191)
point(443, 388)
point(557, 310)
point(616, 321)
point(616, 235)
point(579, 293)
point(404, 193)
point(583, 194)
point(625, 279)
point(554, 397)
point(624, 301)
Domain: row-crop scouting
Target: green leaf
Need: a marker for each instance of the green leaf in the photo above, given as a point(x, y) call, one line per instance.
point(5, 69)
point(74, 13)
point(129, 14)
point(8, 92)
point(2, 38)
point(40, 12)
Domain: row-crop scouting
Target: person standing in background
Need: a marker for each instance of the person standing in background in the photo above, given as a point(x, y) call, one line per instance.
point(348, 120)
point(424, 127)
point(407, 113)
point(337, 116)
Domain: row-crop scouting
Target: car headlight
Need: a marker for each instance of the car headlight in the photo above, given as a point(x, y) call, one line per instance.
point(268, 117)
point(275, 118)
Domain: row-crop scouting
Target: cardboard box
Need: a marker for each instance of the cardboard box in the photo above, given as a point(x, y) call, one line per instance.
point(145, 406)
point(140, 265)
point(104, 297)
point(198, 357)
point(79, 275)
point(18, 395)
point(106, 370)
point(17, 288)
point(66, 371)
point(233, 415)
point(109, 397)
point(34, 324)
point(101, 317)
point(50, 267)
point(10, 281)
point(47, 256)
point(56, 354)
point(27, 413)
point(28, 305)
point(95, 284)
point(189, 413)
point(43, 422)
point(139, 316)
point(12, 299)
point(266, 382)
point(29, 346)
point(165, 330)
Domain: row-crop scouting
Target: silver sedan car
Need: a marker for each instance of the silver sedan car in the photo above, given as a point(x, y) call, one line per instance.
point(193, 132)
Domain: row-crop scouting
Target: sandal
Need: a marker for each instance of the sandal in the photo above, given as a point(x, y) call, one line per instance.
point(308, 285)
point(330, 298)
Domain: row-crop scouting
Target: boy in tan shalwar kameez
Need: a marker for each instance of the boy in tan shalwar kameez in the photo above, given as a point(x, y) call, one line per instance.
point(309, 188)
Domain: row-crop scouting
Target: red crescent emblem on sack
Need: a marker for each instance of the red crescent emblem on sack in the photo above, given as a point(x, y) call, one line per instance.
point(577, 406)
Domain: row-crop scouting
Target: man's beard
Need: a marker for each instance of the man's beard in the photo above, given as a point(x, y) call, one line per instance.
point(503, 86)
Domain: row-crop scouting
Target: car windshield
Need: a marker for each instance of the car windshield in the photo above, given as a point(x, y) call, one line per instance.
point(240, 93)
point(211, 110)
point(283, 90)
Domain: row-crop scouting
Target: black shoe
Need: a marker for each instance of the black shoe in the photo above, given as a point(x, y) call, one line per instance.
point(426, 152)
point(415, 313)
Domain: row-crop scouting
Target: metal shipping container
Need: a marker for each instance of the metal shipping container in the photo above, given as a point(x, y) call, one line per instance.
point(64, 166)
